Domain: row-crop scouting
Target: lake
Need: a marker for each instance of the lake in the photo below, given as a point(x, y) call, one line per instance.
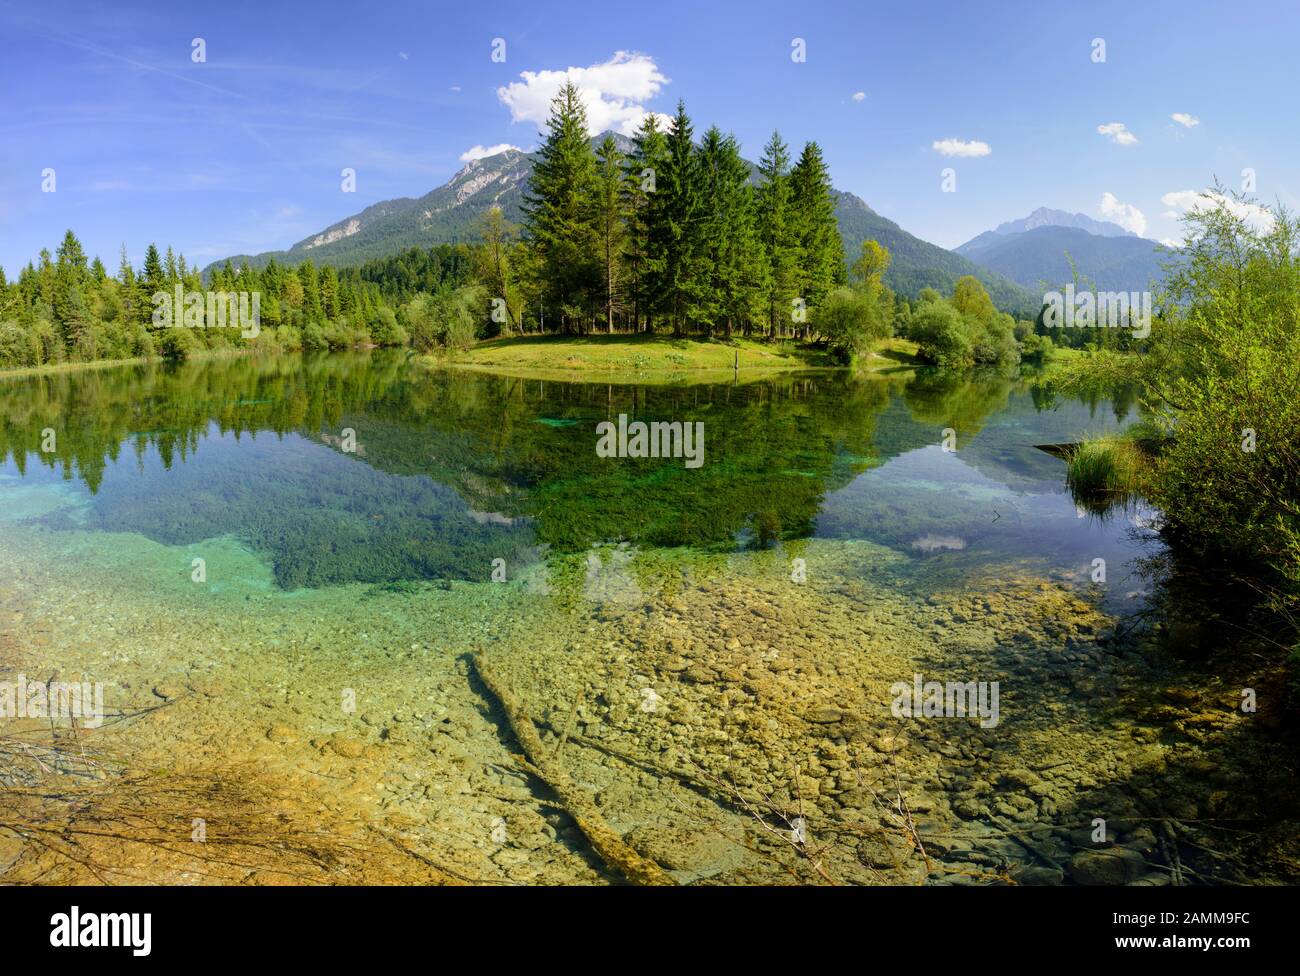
point(755, 668)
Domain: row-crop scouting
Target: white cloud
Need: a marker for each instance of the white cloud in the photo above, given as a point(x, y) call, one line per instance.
point(612, 91)
point(1170, 242)
point(455, 88)
point(960, 147)
point(859, 96)
point(1125, 214)
point(1185, 120)
point(1118, 133)
point(479, 152)
point(1187, 201)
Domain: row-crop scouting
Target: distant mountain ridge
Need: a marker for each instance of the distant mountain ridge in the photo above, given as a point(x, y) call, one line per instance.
point(447, 215)
point(1046, 217)
point(1044, 250)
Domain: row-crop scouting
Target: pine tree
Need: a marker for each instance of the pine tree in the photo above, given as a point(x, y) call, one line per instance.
point(736, 262)
point(71, 278)
point(640, 182)
point(820, 249)
point(676, 226)
point(310, 282)
point(556, 210)
point(329, 292)
point(128, 288)
point(153, 276)
point(777, 233)
point(609, 221)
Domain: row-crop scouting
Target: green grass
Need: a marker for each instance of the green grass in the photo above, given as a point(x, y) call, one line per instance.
point(1105, 472)
point(637, 353)
point(601, 357)
point(77, 367)
point(890, 355)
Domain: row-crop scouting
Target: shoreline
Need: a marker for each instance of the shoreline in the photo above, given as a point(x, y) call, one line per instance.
point(890, 356)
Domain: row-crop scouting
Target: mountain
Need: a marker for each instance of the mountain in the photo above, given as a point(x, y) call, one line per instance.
point(448, 213)
point(1036, 253)
point(1046, 217)
point(918, 264)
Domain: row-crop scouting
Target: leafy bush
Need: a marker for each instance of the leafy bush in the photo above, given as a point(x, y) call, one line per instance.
point(851, 319)
point(1222, 380)
point(18, 348)
point(176, 344)
point(940, 332)
point(1036, 348)
point(386, 332)
point(314, 339)
point(963, 331)
point(449, 318)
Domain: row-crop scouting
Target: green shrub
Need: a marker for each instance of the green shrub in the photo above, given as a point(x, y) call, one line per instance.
point(942, 335)
point(314, 339)
point(52, 348)
point(176, 344)
point(851, 319)
point(386, 332)
point(449, 318)
point(18, 347)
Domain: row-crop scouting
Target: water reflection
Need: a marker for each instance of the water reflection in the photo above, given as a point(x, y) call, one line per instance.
point(372, 467)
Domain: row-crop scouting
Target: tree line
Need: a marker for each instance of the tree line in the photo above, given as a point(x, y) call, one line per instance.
point(673, 235)
point(65, 308)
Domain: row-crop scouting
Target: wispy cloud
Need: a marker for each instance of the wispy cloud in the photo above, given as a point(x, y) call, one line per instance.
point(961, 147)
point(1118, 133)
point(859, 96)
point(1185, 120)
point(281, 225)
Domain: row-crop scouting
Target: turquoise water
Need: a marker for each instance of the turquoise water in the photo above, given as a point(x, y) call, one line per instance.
point(451, 470)
point(710, 651)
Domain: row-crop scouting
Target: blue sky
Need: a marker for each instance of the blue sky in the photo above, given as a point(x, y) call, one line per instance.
point(243, 152)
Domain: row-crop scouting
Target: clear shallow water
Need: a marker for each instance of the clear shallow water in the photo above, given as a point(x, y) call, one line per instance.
point(737, 627)
point(453, 470)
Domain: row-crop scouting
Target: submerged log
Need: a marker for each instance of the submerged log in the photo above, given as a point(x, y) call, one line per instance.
point(1063, 451)
point(582, 808)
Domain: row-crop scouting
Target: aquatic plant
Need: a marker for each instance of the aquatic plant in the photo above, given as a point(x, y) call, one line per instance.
point(1105, 472)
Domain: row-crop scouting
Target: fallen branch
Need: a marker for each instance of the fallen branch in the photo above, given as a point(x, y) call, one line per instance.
point(606, 842)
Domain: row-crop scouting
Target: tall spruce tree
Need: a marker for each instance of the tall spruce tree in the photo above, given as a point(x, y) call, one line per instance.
point(556, 211)
point(777, 232)
point(71, 278)
point(644, 259)
point(737, 265)
point(820, 249)
point(609, 222)
point(677, 228)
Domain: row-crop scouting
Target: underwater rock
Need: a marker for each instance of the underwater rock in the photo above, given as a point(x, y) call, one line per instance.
point(1039, 876)
point(1109, 866)
point(346, 747)
point(826, 715)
